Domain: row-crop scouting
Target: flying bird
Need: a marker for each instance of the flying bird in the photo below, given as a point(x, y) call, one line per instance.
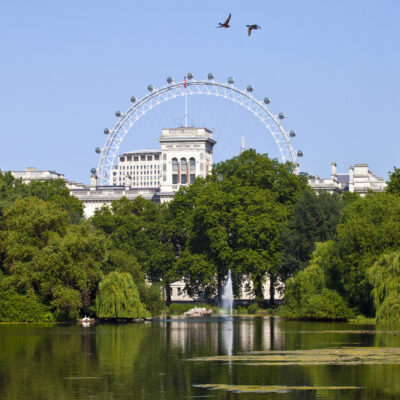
point(225, 24)
point(251, 27)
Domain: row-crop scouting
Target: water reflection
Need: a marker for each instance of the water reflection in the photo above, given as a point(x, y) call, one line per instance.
point(151, 361)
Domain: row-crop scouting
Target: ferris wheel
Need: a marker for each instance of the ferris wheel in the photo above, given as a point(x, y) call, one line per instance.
point(190, 87)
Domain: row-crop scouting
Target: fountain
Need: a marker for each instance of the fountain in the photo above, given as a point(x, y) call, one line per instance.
point(227, 296)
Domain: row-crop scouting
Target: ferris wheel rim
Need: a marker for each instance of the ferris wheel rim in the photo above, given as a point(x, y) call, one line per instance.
point(114, 138)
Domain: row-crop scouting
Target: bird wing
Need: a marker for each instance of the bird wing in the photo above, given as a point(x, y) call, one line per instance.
point(228, 19)
point(249, 30)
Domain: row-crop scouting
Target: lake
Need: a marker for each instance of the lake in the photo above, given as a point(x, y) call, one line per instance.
point(215, 358)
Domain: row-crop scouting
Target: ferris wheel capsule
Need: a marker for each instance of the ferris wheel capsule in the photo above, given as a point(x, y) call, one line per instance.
point(249, 88)
point(281, 115)
point(118, 113)
point(106, 131)
point(190, 75)
point(133, 99)
point(93, 170)
point(267, 100)
point(169, 80)
point(292, 133)
point(98, 150)
point(210, 76)
point(150, 88)
point(231, 81)
point(299, 153)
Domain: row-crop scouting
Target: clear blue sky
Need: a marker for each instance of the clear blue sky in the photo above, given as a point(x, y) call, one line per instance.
point(331, 66)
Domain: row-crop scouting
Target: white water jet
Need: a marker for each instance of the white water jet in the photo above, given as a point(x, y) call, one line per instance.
point(227, 296)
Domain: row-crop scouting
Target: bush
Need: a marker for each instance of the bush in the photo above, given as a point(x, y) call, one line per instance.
point(242, 310)
point(150, 296)
point(15, 307)
point(253, 308)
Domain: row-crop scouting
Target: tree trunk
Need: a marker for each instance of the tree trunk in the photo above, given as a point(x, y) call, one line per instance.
point(272, 283)
point(168, 293)
point(258, 291)
point(220, 289)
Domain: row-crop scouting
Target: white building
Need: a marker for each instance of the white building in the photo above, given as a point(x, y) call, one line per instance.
point(138, 169)
point(32, 174)
point(186, 154)
point(359, 180)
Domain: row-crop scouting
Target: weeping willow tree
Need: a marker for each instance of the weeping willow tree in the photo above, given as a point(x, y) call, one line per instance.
point(118, 297)
point(384, 276)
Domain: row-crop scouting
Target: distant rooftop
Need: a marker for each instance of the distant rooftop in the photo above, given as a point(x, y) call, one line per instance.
point(143, 151)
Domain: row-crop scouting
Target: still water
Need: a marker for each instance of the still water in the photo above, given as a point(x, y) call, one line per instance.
point(176, 359)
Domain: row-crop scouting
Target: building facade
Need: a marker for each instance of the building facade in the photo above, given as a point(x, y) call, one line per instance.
point(359, 180)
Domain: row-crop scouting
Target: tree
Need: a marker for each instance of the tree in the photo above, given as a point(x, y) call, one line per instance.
point(313, 218)
point(118, 297)
point(140, 229)
point(394, 181)
point(307, 295)
point(384, 276)
point(47, 257)
point(368, 228)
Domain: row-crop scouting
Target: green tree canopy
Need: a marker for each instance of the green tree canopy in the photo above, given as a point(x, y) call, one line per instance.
point(313, 218)
point(394, 181)
point(368, 228)
point(118, 297)
point(384, 277)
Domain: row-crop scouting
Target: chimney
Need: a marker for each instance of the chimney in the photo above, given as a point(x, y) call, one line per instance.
point(333, 173)
point(351, 179)
point(93, 181)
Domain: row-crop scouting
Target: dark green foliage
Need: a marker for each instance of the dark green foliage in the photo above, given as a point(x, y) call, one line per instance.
point(307, 295)
point(118, 298)
point(253, 308)
point(45, 255)
point(314, 218)
point(394, 182)
point(368, 228)
point(151, 297)
point(384, 276)
point(15, 307)
point(233, 221)
point(140, 229)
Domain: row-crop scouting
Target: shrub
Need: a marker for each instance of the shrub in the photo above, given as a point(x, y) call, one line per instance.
point(253, 308)
point(241, 310)
point(150, 296)
point(15, 307)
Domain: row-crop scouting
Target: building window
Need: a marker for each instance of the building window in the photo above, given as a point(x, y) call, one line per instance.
point(164, 156)
point(179, 291)
point(201, 167)
point(164, 167)
point(183, 164)
point(192, 178)
point(192, 164)
point(122, 159)
point(183, 178)
point(149, 158)
point(129, 158)
point(174, 164)
point(142, 158)
point(156, 158)
point(135, 158)
point(174, 179)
